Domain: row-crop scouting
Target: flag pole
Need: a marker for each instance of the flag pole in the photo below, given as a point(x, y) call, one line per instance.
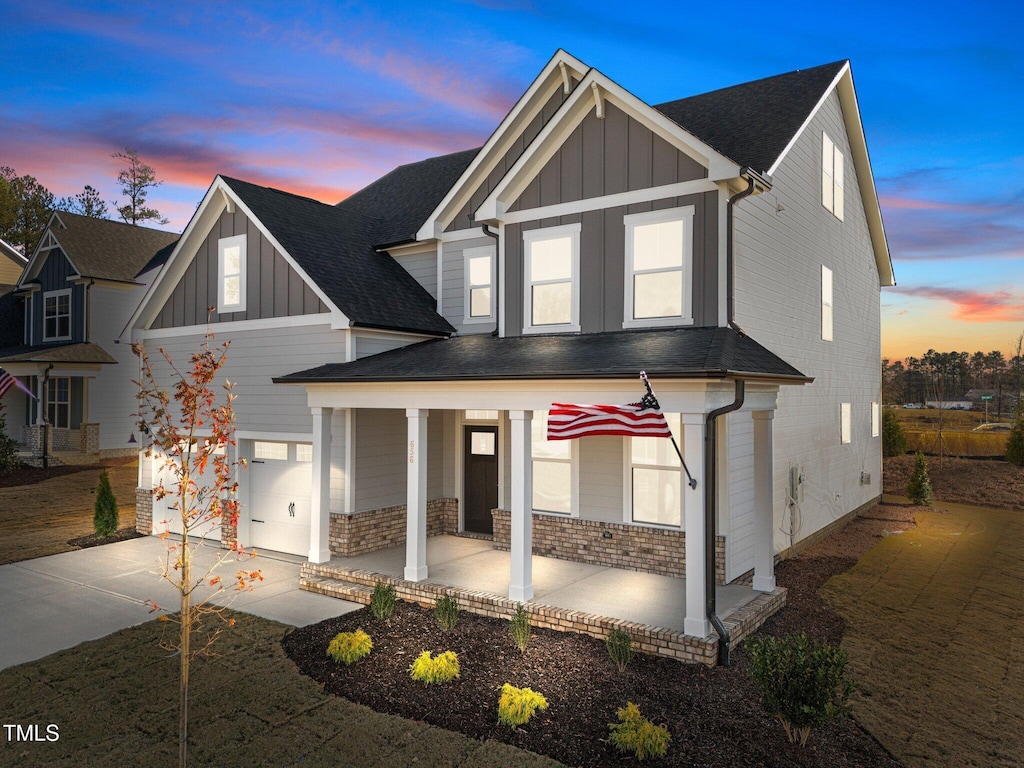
point(650, 400)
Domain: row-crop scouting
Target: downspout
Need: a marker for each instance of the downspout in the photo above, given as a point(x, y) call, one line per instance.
point(730, 277)
point(711, 516)
point(497, 278)
point(46, 422)
point(88, 310)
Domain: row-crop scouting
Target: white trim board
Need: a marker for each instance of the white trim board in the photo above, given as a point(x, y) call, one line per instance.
point(264, 323)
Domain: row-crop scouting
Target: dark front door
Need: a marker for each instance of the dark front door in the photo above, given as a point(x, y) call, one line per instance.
point(481, 483)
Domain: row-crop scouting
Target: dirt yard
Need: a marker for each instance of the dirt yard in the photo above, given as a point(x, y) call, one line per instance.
point(984, 482)
point(49, 507)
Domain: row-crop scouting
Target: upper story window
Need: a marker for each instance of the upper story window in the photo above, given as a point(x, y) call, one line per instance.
point(655, 477)
point(479, 271)
point(659, 263)
point(57, 315)
point(552, 284)
point(826, 303)
point(831, 177)
point(231, 274)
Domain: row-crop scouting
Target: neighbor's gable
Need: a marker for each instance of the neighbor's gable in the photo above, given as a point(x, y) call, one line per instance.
point(273, 289)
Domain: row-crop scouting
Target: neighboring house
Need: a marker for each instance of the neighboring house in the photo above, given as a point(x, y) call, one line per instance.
point(11, 263)
point(419, 331)
point(75, 293)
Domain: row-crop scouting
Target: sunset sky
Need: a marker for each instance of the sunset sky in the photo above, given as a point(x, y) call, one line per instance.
point(321, 98)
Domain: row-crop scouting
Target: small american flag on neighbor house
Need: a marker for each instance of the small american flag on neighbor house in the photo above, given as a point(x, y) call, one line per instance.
point(7, 381)
point(567, 421)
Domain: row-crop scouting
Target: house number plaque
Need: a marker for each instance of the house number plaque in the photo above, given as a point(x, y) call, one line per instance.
point(412, 451)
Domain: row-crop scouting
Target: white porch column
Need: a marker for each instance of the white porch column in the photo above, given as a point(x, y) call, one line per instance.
point(764, 502)
point(696, 622)
point(520, 586)
point(320, 504)
point(416, 497)
point(40, 396)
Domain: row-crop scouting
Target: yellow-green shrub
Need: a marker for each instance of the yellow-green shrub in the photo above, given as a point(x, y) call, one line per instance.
point(440, 669)
point(517, 705)
point(634, 733)
point(347, 647)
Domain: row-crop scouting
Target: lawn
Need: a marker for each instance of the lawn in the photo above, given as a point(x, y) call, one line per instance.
point(41, 510)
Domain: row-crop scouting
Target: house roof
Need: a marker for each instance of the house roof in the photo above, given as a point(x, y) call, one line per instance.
point(671, 353)
point(402, 199)
point(753, 123)
point(334, 245)
point(10, 252)
point(110, 250)
point(57, 353)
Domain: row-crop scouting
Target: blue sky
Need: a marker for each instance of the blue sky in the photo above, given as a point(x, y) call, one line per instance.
point(321, 98)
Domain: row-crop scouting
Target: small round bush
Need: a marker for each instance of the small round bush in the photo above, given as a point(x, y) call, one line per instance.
point(517, 705)
point(349, 647)
point(446, 612)
point(383, 599)
point(442, 668)
point(637, 735)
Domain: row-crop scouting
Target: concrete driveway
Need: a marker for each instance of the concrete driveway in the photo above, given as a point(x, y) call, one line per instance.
point(52, 603)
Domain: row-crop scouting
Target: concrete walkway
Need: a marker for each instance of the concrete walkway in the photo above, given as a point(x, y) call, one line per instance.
point(52, 603)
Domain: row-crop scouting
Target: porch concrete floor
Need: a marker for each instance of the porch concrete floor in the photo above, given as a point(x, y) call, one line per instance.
point(472, 564)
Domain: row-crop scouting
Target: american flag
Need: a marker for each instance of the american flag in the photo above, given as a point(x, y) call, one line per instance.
point(567, 421)
point(7, 381)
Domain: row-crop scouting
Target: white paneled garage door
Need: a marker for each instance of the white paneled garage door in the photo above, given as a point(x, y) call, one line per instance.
point(281, 477)
point(166, 515)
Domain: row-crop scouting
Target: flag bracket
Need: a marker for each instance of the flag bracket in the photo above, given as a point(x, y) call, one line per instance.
point(650, 400)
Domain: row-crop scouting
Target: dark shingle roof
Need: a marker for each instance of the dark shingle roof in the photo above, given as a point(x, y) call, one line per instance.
point(111, 250)
point(402, 200)
point(334, 245)
point(61, 353)
point(677, 353)
point(752, 123)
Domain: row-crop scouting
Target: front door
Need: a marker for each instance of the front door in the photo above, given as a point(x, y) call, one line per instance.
point(480, 493)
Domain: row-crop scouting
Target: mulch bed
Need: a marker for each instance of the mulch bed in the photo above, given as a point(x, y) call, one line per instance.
point(26, 475)
point(979, 482)
point(92, 540)
point(714, 714)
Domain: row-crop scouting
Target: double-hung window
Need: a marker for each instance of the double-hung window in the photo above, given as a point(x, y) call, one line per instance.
point(552, 469)
point(659, 259)
point(57, 315)
point(231, 274)
point(831, 177)
point(826, 303)
point(552, 285)
point(479, 294)
point(58, 402)
point(656, 478)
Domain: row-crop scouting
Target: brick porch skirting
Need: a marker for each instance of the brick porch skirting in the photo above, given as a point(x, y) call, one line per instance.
point(631, 547)
point(357, 586)
point(363, 532)
point(144, 511)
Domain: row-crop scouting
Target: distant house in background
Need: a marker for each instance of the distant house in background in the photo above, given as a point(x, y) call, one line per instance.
point(11, 264)
point(74, 294)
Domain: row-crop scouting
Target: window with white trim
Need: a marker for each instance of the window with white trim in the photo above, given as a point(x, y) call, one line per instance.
point(876, 419)
point(659, 267)
point(264, 450)
point(57, 315)
point(552, 469)
point(303, 452)
point(845, 423)
point(831, 177)
point(552, 286)
point(231, 274)
point(656, 478)
point(826, 303)
point(478, 265)
point(58, 402)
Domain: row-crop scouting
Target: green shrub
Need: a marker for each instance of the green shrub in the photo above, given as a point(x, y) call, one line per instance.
point(446, 612)
point(348, 647)
point(519, 628)
point(105, 519)
point(382, 601)
point(894, 442)
point(919, 489)
point(620, 648)
point(802, 683)
point(517, 705)
point(1015, 442)
point(634, 733)
point(8, 448)
point(442, 668)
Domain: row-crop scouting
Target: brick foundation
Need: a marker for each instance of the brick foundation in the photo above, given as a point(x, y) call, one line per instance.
point(631, 547)
point(356, 585)
point(90, 439)
point(144, 511)
point(376, 529)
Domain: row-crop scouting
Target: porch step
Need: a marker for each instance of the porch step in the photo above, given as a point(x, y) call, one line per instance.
point(345, 590)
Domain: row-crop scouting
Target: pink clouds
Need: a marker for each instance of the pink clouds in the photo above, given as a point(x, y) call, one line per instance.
point(973, 306)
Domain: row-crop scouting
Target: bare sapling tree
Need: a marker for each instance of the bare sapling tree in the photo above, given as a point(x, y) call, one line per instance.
point(192, 435)
point(136, 179)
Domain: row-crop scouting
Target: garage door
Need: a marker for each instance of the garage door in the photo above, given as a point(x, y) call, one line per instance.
point(279, 511)
point(166, 517)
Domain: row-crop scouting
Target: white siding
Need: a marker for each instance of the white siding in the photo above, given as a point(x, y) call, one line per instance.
point(368, 344)
point(453, 284)
point(112, 394)
point(381, 472)
point(601, 478)
point(778, 285)
point(739, 541)
point(422, 266)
